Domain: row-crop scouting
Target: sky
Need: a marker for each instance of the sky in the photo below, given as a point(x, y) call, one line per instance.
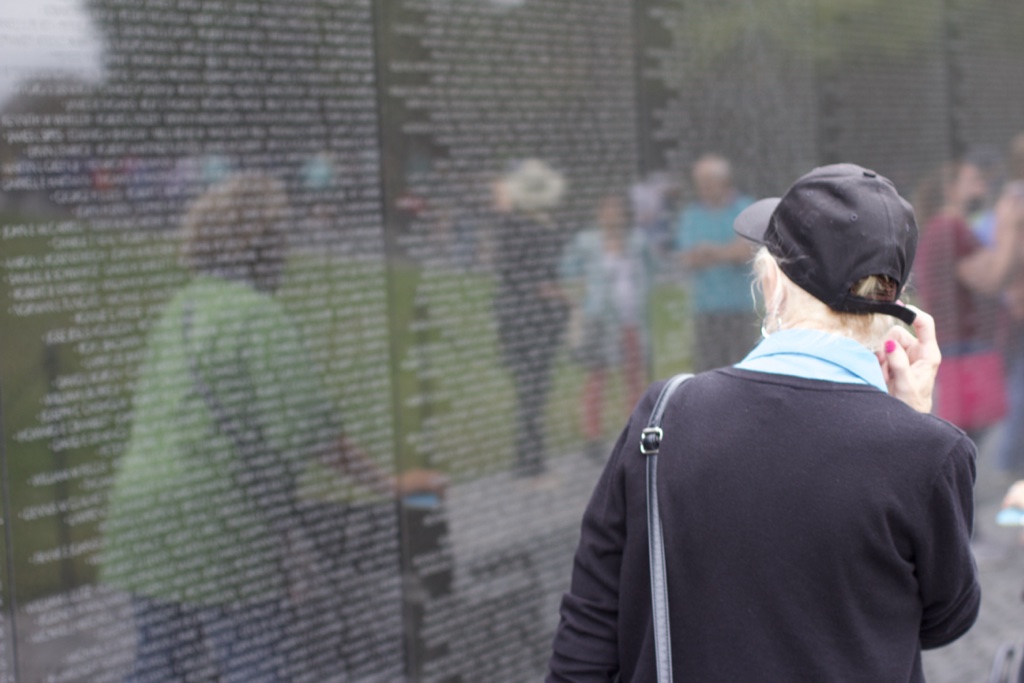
point(58, 38)
point(46, 37)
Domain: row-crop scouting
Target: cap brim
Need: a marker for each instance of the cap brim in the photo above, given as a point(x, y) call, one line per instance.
point(753, 220)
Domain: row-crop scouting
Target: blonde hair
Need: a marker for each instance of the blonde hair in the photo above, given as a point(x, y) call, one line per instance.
point(791, 306)
point(233, 230)
point(534, 186)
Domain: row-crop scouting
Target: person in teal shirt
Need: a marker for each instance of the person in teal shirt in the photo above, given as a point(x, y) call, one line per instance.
point(717, 263)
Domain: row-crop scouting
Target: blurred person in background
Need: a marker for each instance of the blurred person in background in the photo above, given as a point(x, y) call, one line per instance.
point(990, 163)
point(998, 176)
point(1008, 216)
point(654, 201)
point(204, 527)
point(531, 308)
point(959, 280)
point(816, 518)
point(717, 260)
point(611, 267)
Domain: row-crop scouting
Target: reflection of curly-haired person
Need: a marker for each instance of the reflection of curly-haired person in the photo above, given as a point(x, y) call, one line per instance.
point(203, 520)
point(194, 526)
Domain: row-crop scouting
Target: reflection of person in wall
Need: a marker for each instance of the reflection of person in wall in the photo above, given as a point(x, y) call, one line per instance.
point(953, 264)
point(724, 326)
point(227, 413)
point(993, 172)
point(654, 212)
point(1009, 215)
point(612, 266)
point(957, 277)
point(531, 308)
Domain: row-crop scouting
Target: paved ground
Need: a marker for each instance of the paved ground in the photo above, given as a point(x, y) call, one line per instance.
point(98, 644)
point(1000, 556)
point(999, 552)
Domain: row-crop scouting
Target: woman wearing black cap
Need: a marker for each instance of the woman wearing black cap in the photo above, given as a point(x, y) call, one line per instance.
point(816, 519)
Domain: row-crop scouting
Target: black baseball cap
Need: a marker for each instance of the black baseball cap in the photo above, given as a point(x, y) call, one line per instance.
point(835, 226)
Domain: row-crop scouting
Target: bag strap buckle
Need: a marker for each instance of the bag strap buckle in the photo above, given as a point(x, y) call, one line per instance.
point(650, 440)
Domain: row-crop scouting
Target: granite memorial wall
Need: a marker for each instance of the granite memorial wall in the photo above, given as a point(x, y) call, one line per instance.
point(300, 375)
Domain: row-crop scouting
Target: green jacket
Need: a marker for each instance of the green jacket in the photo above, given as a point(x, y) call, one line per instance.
point(191, 517)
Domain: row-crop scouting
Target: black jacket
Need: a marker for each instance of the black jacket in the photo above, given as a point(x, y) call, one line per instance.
point(529, 323)
point(815, 531)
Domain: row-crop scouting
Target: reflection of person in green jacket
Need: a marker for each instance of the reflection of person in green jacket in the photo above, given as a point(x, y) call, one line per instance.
point(228, 412)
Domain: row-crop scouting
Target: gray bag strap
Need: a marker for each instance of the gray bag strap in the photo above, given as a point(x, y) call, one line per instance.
point(245, 435)
point(223, 420)
point(650, 444)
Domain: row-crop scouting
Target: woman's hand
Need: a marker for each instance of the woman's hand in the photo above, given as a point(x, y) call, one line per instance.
point(552, 292)
point(420, 481)
point(910, 363)
point(350, 459)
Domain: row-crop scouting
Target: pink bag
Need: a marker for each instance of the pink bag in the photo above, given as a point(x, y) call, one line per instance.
point(972, 390)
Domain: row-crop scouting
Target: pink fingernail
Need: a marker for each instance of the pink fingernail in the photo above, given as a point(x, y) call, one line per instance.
point(890, 346)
